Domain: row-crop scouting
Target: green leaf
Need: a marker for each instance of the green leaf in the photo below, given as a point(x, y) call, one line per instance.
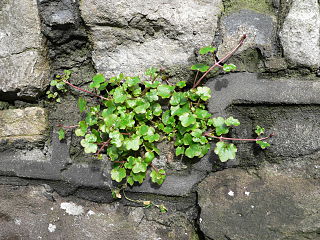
point(187, 119)
point(158, 176)
point(156, 109)
point(259, 130)
point(132, 143)
point(219, 124)
point(225, 151)
point(113, 152)
point(194, 150)
point(97, 80)
point(91, 138)
point(91, 119)
point(118, 174)
point(181, 84)
point(116, 138)
point(178, 98)
point(82, 104)
point(110, 120)
point(187, 139)
point(126, 120)
point(119, 95)
point(179, 110)
point(138, 177)
point(132, 81)
point(152, 95)
point(61, 134)
point(180, 151)
point(140, 167)
point(200, 67)
point(89, 147)
point(202, 114)
point(165, 91)
point(141, 106)
point(152, 138)
point(154, 84)
point(152, 72)
point(130, 180)
point(130, 162)
point(204, 93)
point(82, 130)
point(80, 133)
point(229, 67)
point(232, 122)
point(167, 119)
point(207, 49)
point(148, 157)
point(263, 144)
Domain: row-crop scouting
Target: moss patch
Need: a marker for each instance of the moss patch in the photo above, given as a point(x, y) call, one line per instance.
point(261, 6)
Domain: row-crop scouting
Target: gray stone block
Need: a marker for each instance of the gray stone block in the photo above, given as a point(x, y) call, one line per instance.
point(131, 36)
point(300, 35)
point(263, 204)
point(23, 65)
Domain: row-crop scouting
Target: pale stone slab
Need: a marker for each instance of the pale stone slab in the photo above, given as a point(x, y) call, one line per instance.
point(28, 124)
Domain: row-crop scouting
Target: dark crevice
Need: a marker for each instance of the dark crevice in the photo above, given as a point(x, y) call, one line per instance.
point(201, 234)
point(68, 41)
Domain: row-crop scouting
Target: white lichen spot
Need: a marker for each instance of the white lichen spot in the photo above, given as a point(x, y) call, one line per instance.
point(90, 212)
point(17, 221)
point(247, 193)
point(231, 193)
point(51, 209)
point(52, 227)
point(71, 208)
point(200, 220)
point(252, 206)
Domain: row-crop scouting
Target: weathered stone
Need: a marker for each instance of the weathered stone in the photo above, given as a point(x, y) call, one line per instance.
point(264, 204)
point(299, 35)
point(286, 107)
point(28, 124)
point(259, 28)
point(132, 36)
point(26, 213)
point(23, 64)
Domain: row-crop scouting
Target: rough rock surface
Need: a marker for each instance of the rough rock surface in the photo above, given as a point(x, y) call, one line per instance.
point(259, 28)
point(130, 36)
point(38, 213)
point(300, 35)
point(264, 204)
point(28, 124)
point(23, 65)
point(288, 108)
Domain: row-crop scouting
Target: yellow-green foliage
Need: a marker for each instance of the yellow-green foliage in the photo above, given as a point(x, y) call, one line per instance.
point(261, 6)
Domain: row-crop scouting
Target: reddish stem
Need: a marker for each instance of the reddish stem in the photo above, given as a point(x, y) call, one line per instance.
point(103, 146)
point(225, 58)
point(238, 139)
point(119, 161)
point(83, 90)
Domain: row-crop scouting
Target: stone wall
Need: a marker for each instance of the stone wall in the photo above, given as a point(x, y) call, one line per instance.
point(51, 190)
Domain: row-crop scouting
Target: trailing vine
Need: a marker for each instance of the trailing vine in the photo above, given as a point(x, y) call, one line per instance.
point(133, 114)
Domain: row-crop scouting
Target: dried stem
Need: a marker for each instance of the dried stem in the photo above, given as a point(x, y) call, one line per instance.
point(225, 58)
point(86, 91)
